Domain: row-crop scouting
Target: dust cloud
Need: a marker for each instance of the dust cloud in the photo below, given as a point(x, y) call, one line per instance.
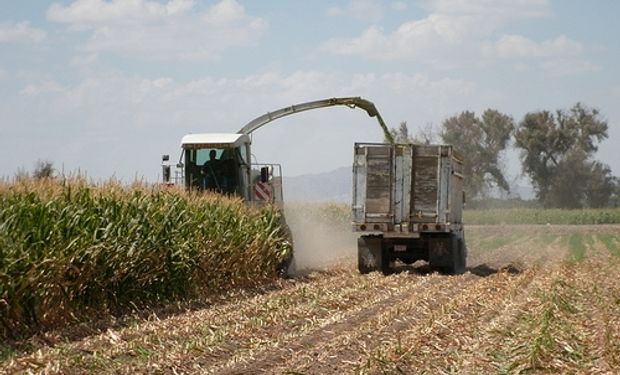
point(319, 242)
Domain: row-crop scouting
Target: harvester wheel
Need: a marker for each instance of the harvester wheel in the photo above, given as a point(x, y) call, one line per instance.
point(288, 267)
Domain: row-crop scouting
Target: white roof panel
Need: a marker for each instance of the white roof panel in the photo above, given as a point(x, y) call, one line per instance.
point(216, 139)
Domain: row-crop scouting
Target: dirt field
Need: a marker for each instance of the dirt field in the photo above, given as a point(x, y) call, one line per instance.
point(536, 299)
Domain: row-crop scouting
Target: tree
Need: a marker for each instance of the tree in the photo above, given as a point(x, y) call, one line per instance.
point(601, 186)
point(556, 153)
point(482, 142)
point(401, 135)
point(426, 135)
point(43, 169)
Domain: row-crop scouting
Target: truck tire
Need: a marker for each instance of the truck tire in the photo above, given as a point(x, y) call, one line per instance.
point(369, 254)
point(386, 267)
point(460, 257)
point(448, 255)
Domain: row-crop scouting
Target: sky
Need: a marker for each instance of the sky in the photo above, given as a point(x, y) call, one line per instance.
point(105, 87)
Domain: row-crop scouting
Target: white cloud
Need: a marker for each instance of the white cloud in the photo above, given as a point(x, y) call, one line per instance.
point(21, 33)
point(517, 46)
point(428, 40)
point(225, 12)
point(92, 12)
point(458, 33)
point(151, 30)
point(112, 114)
point(495, 8)
point(365, 10)
point(45, 87)
point(399, 5)
point(568, 66)
point(84, 60)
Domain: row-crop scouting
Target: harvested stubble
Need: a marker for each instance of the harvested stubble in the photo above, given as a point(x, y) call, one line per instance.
point(69, 249)
point(555, 315)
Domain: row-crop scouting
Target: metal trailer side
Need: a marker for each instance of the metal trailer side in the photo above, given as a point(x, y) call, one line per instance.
point(407, 203)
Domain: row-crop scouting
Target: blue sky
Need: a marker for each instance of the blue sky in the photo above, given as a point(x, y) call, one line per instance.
point(107, 86)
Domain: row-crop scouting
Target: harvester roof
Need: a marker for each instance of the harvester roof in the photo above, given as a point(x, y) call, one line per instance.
point(215, 140)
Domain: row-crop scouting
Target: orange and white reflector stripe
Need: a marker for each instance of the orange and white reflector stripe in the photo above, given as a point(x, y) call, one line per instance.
point(262, 191)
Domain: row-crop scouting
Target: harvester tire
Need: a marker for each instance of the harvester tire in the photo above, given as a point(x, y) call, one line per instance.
point(288, 267)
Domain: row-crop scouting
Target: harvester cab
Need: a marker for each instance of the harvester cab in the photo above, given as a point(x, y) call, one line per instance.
point(221, 163)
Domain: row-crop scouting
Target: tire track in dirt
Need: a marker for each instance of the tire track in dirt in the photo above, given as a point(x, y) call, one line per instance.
point(456, 324)
point(485, 335)
point(533, 330)
point(596, 302)
point(431, 344)
point(225, 328)
point(355, 329)
point(350, 301)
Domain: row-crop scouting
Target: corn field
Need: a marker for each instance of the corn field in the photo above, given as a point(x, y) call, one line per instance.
point(70, 250)
point(542, 216)
point(335, 213)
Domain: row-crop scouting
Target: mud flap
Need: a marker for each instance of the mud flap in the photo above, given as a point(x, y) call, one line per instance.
point(369, 254)
point(447, 254)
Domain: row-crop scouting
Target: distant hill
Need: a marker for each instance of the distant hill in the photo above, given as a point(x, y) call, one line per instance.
point(334, 186)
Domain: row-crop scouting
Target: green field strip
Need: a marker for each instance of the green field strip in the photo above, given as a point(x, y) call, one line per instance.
point(474, 240)
point(576, 247)
point(496, 242)
point(542, 216)
point(546, 239)
point(612, 243)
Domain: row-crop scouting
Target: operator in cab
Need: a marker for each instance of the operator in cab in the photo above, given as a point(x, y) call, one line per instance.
point(212, 172)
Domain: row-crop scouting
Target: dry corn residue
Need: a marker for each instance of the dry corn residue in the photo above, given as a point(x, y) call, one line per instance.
point(535, 299)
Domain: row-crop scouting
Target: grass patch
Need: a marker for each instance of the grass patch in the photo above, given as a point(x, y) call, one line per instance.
point(576, 247)
point(542, 216)
point(548, 332)
point(611, 243)
point(495, 242)
point(6, 353)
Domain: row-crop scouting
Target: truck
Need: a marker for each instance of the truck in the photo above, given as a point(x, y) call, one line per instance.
point(407, 205)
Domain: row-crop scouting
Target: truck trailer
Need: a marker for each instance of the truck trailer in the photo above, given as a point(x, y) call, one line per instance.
point(407, 204)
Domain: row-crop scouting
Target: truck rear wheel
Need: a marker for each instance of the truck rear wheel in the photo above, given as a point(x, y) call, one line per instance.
point(386, 267)
point(458, 257)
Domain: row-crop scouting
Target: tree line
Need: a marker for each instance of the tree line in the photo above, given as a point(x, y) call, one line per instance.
point(557, 153)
